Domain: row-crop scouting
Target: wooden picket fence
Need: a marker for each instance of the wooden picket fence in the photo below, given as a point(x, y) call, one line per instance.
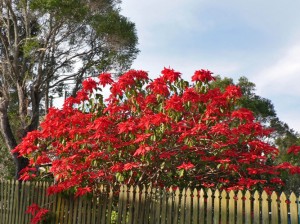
point(136, 205)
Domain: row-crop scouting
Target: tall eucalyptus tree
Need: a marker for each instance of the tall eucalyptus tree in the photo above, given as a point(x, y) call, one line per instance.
point(45, 44)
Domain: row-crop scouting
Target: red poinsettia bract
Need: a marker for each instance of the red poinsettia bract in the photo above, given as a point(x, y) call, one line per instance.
point(37, 212)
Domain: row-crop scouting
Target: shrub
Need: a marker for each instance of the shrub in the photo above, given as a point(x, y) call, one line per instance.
point(164, 131)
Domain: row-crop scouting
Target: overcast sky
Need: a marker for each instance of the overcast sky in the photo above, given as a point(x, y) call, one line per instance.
point(233, 38)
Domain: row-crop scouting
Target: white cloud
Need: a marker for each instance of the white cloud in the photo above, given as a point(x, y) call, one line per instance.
point(161, 20)
point(282, 77)
point(280, 83)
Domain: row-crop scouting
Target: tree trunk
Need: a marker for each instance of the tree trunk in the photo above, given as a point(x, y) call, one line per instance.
point(47, 101)
point(35, 106)
point(10, 141)
point(22, 109)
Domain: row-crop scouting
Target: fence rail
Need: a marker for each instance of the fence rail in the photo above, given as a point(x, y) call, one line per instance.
point(136, 205)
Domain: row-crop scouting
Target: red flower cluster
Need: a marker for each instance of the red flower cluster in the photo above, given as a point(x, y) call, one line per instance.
point(170, 75)
point(165, 132)
point(186, 166)
point(105, 79)
point(293, 150)
point(37, 212)
point(89, 85)
point(203, 76)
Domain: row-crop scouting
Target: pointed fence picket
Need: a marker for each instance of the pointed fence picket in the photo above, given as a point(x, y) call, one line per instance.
point(147, 205)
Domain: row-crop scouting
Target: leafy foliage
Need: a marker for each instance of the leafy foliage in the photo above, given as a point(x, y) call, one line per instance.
point(164, 131)
point(7, 166)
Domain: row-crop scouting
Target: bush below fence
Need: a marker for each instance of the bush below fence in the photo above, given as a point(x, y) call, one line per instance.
point(147, 206)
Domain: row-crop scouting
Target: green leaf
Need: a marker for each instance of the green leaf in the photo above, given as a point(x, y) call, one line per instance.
point(119, 177)
point(30, 46)
point(180, 172)
point(153, 138)
point(189, 104)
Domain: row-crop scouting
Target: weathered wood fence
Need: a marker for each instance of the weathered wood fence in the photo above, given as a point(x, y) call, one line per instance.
point(148, 206)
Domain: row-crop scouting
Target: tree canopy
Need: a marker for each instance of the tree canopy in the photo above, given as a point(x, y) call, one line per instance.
point(164, 131)
point(45, 45)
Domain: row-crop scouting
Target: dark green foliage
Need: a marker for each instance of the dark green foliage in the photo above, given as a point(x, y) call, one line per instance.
point(7, 165)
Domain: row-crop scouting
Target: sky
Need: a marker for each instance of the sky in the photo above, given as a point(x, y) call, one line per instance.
point(256, 39)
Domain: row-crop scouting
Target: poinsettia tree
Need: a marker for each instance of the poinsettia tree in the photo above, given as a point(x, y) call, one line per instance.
point(165, 131)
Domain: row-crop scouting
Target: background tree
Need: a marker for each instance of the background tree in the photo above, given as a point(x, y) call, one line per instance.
point(45, 44)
